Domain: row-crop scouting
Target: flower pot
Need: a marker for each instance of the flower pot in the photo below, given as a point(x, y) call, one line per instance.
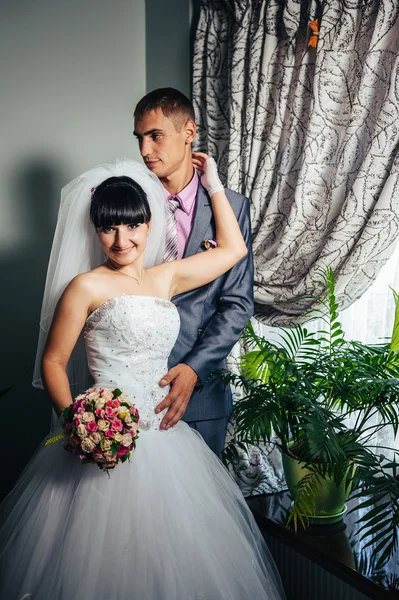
point(330, 502)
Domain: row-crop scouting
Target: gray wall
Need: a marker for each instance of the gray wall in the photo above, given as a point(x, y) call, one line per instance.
point(168, 47)
point(71, 73)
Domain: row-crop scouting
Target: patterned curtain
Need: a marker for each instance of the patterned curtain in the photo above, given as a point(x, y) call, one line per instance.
point(298, 101)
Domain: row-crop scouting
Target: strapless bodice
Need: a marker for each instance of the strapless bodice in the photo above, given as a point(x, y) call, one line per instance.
point(128, 341)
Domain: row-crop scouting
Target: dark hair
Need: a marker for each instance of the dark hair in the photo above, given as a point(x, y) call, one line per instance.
point(119, 200)
point(172, 103)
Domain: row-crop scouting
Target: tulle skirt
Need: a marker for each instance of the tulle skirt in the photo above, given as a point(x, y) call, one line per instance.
point(171, 524)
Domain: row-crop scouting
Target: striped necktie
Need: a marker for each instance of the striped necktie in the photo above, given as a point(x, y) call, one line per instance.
point(171, 231)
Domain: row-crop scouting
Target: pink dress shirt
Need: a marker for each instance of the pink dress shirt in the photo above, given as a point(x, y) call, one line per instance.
point(184, 214)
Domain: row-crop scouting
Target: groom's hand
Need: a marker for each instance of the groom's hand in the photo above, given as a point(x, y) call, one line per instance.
point(182, 380)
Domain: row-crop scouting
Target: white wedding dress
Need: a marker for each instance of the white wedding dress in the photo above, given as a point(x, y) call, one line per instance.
point(169, 525)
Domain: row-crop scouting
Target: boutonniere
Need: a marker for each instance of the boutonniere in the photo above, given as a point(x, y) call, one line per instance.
point(208, 244)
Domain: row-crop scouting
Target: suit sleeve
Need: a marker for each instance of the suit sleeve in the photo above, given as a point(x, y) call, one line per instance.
point(235, 308)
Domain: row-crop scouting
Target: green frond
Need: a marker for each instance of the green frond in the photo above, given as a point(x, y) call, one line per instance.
point(299, 392)
point(394, 345)
point(255, 366)
point(304, 504)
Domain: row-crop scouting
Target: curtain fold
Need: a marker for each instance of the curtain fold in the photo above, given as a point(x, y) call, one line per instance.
point(298, 101)
point(309, 134)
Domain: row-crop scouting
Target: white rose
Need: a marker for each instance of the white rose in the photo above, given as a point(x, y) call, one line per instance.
point(87, 417)
point(128, 420)
point(123, 398)
point(134, 427)
point(98, 457)
point(102, 425)
point(126, 439)
point(100, 403)
point(107, 395)
point(93, 395)
point(105, 444)
point(81, 430)
point(118, 437)
point(87, 445)
point(80, 397)
point(96, 437)
point(109, 456)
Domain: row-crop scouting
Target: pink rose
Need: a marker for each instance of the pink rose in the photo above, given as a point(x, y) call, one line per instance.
point(110, 412)
point(91, 426)
point(122, 451)
point(116, 425)
point(134, 411)
point(100, 413)
point(109, 433)
point(115, 403)
point(76, 421)
point(76, 405)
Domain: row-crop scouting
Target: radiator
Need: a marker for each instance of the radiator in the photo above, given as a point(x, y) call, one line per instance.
point(304, 579)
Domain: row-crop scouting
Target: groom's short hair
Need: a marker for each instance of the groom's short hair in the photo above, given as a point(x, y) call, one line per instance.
point(174, 104)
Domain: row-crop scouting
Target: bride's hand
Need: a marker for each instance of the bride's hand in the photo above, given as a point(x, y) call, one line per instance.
point(209, 178)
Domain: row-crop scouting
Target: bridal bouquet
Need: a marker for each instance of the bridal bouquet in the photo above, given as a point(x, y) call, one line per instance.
point(101, 426)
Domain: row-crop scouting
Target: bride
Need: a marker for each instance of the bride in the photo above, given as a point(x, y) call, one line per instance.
point(170, 524)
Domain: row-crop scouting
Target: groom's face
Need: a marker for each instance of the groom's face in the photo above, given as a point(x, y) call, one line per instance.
point(165, 143)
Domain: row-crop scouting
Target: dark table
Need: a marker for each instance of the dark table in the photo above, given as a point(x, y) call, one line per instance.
point(335, 548)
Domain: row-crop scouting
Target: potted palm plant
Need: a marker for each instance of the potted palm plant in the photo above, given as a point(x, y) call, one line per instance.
point(323, 400)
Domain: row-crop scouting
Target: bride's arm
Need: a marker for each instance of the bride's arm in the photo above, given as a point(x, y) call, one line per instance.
point(203, 268)
point(69, 319)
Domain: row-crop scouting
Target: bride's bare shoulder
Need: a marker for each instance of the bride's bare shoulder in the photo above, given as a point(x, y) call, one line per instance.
point(88, 283)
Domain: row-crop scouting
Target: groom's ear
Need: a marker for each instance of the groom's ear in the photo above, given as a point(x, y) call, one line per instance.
point(190, 130)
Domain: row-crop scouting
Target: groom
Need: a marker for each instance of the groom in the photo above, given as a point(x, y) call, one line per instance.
point(213, 316)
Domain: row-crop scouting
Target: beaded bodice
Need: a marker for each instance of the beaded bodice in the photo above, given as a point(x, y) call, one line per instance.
point(128, 342)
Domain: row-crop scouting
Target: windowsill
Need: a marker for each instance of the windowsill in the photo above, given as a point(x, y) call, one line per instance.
point(333, 547)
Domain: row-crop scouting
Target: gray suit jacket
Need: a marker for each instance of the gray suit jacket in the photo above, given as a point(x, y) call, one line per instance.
point(213, 316)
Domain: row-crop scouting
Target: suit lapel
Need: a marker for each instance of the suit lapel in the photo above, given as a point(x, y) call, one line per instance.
point(202, 218)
